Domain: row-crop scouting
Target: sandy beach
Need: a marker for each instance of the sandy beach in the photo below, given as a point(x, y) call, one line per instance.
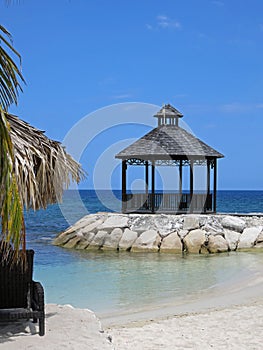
point(229, 316)
point(238, 327)
point(229, 319)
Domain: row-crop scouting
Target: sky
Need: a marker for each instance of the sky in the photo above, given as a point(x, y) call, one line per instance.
point(87, 63)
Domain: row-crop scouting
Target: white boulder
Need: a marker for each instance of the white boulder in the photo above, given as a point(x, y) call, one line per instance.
point(217, 244)
point(194, 241)
point(114, 221)
point(191, 222)
point(232, 238)
point(127, 240)
point(98, 240)
point(112, 240)
point(233, 223)
point(171, 244)
point(147, 241)
point(249, 237)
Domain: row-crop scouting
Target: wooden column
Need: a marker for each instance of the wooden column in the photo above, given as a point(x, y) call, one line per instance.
point(215, 182)
point(153, 187)
point(147, 178)
point(191, 184)
point(124, 199)
point(207, 183)
point(208, 177)
point(181, 178)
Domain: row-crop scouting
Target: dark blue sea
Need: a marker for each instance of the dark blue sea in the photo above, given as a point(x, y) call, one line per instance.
point(108, 281)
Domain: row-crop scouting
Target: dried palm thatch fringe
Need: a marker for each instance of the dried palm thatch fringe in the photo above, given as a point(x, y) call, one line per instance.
point(42, 167)
point(41, 170)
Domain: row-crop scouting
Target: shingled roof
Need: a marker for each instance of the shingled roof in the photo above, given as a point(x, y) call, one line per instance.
point(168, 141)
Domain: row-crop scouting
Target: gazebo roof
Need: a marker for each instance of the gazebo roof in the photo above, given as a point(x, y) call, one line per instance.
point(168, 141)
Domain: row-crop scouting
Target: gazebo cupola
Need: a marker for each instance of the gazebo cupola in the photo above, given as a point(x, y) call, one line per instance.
point(170, 145)
point(168, 115)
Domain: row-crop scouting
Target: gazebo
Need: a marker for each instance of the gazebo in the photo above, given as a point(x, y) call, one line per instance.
point(170, 145)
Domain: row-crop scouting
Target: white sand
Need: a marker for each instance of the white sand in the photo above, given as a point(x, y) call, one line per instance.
point(239, 327)
point(66, 328)
point(233, 328)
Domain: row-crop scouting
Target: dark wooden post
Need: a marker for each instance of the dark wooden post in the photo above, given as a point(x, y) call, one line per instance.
point(207, 184)
point(191, 184)
point(146, 200)
point(181, 178)
point(146, 178)
point(124, 197)
point(215, 182)
point(153, 187)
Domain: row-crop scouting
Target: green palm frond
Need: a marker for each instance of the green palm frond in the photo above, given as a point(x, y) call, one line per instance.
point(10, 75)
point(12, 218)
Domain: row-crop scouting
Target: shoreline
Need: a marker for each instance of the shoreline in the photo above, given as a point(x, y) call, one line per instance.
point(230, 318)
point(233, 293)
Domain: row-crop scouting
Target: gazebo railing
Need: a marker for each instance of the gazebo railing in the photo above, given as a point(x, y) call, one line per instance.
point(167, 202)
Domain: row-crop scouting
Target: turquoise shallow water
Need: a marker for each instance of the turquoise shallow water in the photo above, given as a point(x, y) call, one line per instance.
point(106, 282)
point(110, 282)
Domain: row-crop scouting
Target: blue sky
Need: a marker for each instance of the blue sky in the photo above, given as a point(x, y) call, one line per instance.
point(204, 57)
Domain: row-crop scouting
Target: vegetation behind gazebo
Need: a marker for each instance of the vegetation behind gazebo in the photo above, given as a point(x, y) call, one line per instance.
point(169, 145)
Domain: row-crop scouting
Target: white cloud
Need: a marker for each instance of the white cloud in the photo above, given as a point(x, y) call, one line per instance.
point(217, 3)
point(122, 96)
point(167, 22)
point(237, 107)
point(164, 22)
point(149, 27)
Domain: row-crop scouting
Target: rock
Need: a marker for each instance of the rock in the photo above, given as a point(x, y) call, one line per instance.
point(191, 222)
point(194, 241)
point(232, 238)
point(105, 230)
point(217, 244)
point(98, 240)
point(260, 238)
point(114, 221)
point(233, 223)
point(91, 227)
point(147, 241)
point(171, 244)
point(182, 233)
point(213, 226)
point(204, 250)
point(249, 237)
point(63, 238)
point(88, 236)
point(142, 223)
point(83, 222)
point(127, 240)
point(73, 242)
point(112, 240)
point(259, 245)
point(165, 224)
point(85, 241)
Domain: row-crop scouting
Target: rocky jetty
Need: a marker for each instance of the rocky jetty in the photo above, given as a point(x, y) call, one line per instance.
point(199, 234)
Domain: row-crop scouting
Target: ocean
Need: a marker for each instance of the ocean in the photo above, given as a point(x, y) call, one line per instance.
point(114, 282)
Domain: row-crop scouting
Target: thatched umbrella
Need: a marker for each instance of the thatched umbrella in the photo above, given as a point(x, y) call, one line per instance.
point(41, 170)
point(34, 170)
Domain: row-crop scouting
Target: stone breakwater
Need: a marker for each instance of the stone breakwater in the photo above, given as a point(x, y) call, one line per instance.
point(164, 233)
